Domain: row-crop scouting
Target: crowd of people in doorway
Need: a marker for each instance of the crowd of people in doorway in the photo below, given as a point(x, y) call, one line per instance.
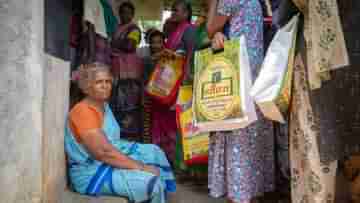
point(122, 142)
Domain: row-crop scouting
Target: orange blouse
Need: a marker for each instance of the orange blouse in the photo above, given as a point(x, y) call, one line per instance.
point(84, 117)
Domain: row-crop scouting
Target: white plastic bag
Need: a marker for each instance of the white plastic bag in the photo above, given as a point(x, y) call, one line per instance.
point(272, 88)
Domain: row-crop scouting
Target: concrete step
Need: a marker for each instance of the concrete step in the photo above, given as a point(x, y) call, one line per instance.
point(186, 193)
point(72, 197)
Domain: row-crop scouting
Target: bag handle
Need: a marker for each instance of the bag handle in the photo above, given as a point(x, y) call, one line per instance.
point(290, 26)
point(217, 51)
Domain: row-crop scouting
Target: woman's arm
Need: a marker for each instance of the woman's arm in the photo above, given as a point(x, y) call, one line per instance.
point(189, 38)
point(215, 22)
point(98, 146)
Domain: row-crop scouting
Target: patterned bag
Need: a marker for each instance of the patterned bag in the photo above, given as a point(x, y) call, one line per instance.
point(165, 81)
point(222, 88)
point(195, 144)
point(272, 88)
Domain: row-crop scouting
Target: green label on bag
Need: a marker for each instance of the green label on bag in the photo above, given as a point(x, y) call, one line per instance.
point(217, 94)
point(221, 88)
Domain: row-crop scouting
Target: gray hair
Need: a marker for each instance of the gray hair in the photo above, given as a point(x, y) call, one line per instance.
point(87, 74)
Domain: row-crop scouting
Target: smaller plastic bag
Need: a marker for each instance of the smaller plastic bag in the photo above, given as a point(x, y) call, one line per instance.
point(272, 88)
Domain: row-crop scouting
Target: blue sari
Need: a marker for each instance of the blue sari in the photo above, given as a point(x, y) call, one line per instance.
point(91, 177)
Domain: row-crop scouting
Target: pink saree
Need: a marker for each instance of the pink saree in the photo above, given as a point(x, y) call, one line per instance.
point(164, 128)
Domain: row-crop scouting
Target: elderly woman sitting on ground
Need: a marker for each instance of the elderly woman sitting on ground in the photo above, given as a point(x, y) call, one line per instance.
point(99, 161)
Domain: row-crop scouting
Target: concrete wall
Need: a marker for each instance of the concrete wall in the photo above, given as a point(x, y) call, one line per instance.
point(21, 93)
point(55, 106)
point(33, 104)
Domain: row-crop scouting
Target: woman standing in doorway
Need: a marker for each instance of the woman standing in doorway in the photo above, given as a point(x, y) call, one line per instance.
point(124, 43)
point(241, 162)
point(127, 67)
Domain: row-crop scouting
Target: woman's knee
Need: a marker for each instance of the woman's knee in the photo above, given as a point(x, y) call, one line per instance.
point(158, 149)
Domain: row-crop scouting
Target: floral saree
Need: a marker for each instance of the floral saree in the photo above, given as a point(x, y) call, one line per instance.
point(314, 136)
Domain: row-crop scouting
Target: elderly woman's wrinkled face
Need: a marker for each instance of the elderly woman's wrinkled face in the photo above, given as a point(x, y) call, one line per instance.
point(100, 87)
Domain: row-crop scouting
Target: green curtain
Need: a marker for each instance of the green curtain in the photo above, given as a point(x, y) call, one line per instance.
point(111, 21)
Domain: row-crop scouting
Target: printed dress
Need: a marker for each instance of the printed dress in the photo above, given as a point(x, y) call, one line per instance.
point(241, 162)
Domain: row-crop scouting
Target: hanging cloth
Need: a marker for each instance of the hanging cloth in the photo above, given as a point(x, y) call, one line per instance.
point(94, 13)
point(110, 20)
point(324, 38)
